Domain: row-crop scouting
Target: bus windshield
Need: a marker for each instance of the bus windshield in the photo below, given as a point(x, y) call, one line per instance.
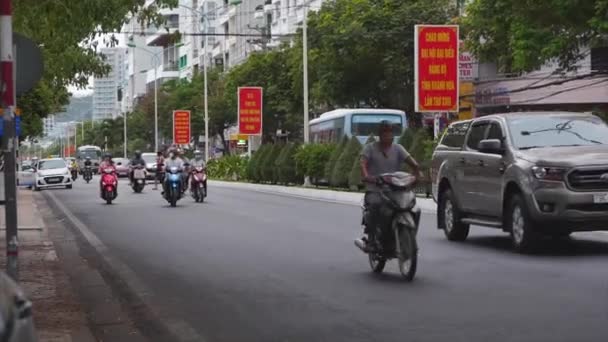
point(367, 124)
point(91, 153)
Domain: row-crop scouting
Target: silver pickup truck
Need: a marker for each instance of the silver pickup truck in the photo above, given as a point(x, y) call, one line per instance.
point(531, 174)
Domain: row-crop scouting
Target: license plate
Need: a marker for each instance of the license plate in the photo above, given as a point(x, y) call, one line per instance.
point(140, 181)
point(54, 180)
point(603, 198)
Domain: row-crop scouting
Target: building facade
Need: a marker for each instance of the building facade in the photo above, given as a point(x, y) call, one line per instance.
point(106, 104)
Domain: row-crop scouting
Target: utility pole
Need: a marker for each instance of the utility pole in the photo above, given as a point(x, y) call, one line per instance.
point(7, 70)
point(305, 81)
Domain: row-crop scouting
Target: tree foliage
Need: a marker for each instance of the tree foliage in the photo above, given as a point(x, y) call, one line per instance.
point(333, 158)
point(523, 35)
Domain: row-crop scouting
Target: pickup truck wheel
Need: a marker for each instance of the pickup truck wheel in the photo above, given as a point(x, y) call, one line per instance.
point(520, 225)
point(450, 214)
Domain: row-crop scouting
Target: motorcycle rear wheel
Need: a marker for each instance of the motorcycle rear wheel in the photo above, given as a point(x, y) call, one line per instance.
point(408, 256)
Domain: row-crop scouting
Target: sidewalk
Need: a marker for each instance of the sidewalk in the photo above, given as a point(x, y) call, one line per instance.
point(57, 314)
point(427, 205)
point(71, 300)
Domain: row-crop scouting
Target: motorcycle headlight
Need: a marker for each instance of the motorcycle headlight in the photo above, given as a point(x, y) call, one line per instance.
point(549, 173)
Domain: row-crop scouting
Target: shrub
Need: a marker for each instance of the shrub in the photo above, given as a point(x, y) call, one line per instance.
point(407, 138)
point(311, 160)
point(267, 163)
point(419, 147)
point(354, 178)
point(331, 163)
point(285, 165)
point(253, 169)
point(228, 167)
point(344, 164)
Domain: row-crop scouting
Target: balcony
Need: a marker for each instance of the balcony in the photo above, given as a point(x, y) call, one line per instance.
point(171, 66)
point(232, 12)
point(164, 31)
point(222, 15)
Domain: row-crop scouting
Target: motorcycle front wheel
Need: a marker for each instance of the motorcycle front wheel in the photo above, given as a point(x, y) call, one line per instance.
point(174, 198)
point(408, 252)
point(376, 262)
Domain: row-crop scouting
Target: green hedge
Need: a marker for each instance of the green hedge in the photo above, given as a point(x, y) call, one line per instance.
point(336, 153)
point(311, 160)
point(267, 164)
point(285, 165)
point(354, 178)
point(228, 168)
point(344, 164)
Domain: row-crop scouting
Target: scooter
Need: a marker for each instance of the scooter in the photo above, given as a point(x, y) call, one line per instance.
point(396, 235)
point(87, 174)
point(173, 187)
point(108, 185)
point(139, 179)
point(74, 174)
point(197, 184)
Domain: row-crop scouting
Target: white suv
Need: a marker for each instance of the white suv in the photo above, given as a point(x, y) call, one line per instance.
point(52, 173)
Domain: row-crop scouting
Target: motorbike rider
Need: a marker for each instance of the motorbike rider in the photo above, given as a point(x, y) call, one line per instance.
point(383, 156)
point(199, 160)
point(73, 166)
point(87, 162)
point(136, 161)
point(160, 167)
point(107, 163)
point(174, 161)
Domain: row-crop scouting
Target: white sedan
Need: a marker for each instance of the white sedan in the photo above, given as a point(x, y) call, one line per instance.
point(52, 173)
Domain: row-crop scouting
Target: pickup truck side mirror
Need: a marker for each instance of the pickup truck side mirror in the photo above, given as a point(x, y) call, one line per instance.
point(493, 146)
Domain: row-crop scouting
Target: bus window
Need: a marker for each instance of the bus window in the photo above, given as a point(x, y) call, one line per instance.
point(367, 124)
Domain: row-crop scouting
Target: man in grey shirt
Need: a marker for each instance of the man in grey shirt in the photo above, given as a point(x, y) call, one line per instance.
point(377, 158)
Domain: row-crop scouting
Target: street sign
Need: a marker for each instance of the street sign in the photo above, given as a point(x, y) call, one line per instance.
point(250, 110)
point(29, 63)
point(181, 127)
point(436, 68)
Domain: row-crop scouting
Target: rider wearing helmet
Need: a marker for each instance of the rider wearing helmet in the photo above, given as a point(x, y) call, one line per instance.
point(136, 161)
point(174, 161)
point(107, 163)
point(383, 156)
point(199, 160)
point(87, 161)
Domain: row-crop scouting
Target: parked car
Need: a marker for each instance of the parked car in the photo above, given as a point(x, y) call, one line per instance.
point(52, 172)
point(122, 166)
point(530, 174)
point(16, 323)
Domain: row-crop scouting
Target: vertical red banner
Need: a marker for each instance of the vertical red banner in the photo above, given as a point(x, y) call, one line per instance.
point(250, 110)
point(436, 69)
point(181, 127)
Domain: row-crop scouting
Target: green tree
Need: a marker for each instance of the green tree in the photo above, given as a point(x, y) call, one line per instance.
point(268, 166)
point(419, 146)
point(335, 154)
point(311, 160)
point(344, 164)
point(407, 138)
point(255, 169)
point(523, 35)
point(285, 165)
point(354, 178)
point(379, 35)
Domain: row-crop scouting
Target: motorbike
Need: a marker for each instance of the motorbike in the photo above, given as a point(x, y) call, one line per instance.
point(399, 219)
point(108, 185)
point(173, 187)
point(139, 179)
point(74, 172)
point(87, 174)
point(197, 184)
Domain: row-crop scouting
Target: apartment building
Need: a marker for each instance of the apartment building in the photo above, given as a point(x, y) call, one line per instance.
point(105, 89)
point(48, 124)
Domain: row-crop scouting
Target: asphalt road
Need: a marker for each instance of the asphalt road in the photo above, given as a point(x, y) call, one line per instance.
point(247, 266)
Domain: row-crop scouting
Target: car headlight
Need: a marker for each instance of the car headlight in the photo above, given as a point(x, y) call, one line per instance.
point(39, 175)
point(67, 173)
point(549, 173)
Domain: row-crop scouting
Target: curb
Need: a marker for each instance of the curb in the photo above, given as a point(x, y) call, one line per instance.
point(178, 329)
point(427, 206)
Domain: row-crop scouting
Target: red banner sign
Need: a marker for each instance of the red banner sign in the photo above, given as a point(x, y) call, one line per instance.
point(436, 58)
point(250, 110)
point(181, 127)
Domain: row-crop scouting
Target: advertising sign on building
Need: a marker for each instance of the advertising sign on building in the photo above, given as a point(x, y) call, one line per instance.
point(468, 65)
point(436, 68)
point(250, 110)
point(181, 127)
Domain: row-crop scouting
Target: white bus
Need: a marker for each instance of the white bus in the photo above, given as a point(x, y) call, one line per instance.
point(93, 152)
point(330, 127)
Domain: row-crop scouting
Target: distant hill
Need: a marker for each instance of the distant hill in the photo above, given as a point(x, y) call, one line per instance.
point(79, 109)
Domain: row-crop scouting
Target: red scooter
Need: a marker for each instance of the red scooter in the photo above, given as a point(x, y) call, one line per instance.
point(108, 184)
point(198, 190)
